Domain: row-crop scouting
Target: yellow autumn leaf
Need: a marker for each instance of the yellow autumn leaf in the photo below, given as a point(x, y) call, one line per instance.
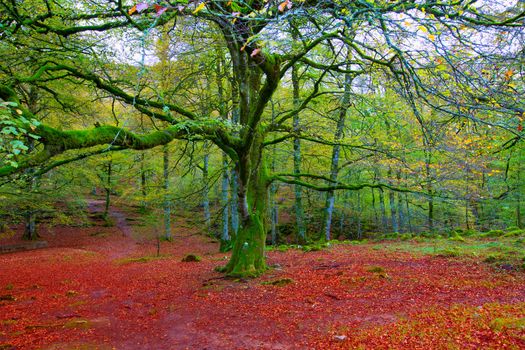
point(132, 10)
point(283, 5)
point(509, 74)
point(431, 37)
point(199, 8)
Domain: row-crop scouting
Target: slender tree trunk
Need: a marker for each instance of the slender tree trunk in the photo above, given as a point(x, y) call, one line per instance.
point(274, 210)
point(428, 175)
point(143, 181)
point(234, 180)
point(274, 214)
point(220, 73)
point(409, 219)
point(30, 232)
point(358, 216)
point(234, 203)
point(374, 208)
point(299, 211)
point(343, 214)
point(225, 234)
point(167, 203)
point(382, 207)
point(206, 188)
point(400, 213)
point(334, 168)
point(519, 219)
point(329, 209)
point(108, 189)
point(391, 197)
point(467, 194)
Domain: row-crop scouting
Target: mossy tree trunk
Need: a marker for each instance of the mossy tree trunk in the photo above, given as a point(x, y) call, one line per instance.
point(247, 258)
point(256, 76)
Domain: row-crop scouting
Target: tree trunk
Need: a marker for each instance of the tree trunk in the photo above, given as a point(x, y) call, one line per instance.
point(225, 234)
point(167, 204)
point(519, 219)
point(299, 211)
point(400, 211)
point(409, 219)
point(274, 213)
point(358, 216)
point(374, 209)
point(234, 178)
point(234, 188)
point(343, 212)
point(108, 189)
point(143, 181)
point(30, 231)
point(274, 210)
point(428, 175)
point(382, 207)
point(206, 189)
point(247, 258)
point(334, 168)
point(392, 202)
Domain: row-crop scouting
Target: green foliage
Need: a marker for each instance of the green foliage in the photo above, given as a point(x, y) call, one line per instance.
point(493, 233)
point(376, 269)
point(514, 233)
point(500, 324)
point(450, 252)
point(15, 131)
point(456, 238)
point(279, 282)
point(312, 248)
point(279, 248)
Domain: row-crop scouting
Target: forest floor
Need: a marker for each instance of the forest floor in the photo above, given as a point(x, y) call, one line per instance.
point(103, 287)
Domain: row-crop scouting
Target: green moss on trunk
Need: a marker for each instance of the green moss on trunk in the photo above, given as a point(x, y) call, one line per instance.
point(247, 258)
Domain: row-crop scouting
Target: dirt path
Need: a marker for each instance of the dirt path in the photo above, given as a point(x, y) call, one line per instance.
point(126, 246)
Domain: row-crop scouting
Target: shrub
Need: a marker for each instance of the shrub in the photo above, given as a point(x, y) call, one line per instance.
point(457, 238)
point(493, 233)
point(450, 253)
point(376, 269)
point(279, 282)
point(514, 233)
point(191, 258)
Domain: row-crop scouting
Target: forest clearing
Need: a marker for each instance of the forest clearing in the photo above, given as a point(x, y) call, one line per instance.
point(105, 288)
point(262, 174)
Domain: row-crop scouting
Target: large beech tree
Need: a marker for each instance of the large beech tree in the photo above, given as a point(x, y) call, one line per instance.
point(435, 51)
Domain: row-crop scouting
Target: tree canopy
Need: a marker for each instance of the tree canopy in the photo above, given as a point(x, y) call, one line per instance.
point(227, 74)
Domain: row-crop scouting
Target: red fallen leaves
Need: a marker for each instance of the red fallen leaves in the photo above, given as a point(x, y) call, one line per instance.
point(64, 293)
point(490, 326)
